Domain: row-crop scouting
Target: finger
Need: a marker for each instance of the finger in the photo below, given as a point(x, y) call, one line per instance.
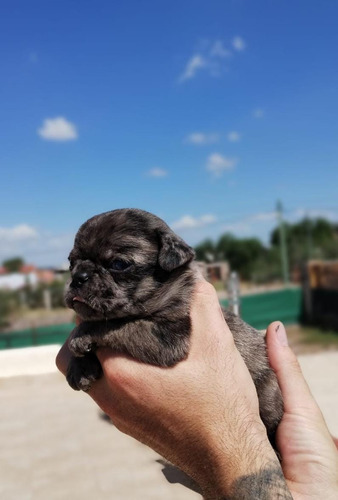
point(209, 331)
point(63, 358)
point(208, 323)
point(295, 391)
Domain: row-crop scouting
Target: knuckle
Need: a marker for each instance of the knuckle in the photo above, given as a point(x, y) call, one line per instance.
point(205, 288)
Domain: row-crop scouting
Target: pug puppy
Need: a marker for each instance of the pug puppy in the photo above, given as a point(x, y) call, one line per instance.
point(132, 280)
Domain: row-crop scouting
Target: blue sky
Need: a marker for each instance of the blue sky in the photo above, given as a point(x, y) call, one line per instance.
point(204, 113)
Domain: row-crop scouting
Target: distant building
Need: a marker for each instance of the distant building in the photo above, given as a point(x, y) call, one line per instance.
point(27, 268)
point(323, 274)
point(27, 275)
point(16, 281)
point(46, 276)
point(216, 271)
point(320, 289)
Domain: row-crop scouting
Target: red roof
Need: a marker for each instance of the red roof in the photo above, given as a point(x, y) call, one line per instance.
point(27, 268)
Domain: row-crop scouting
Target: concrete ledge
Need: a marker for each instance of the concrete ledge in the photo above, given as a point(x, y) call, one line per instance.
point(28, 361)
point(320, 370)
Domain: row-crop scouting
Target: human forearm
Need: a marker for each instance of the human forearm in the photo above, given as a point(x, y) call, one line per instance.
point(268, 484)
point(252, 473)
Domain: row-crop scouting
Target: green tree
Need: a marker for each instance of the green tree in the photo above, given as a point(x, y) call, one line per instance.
point(308, 239)
point(13, 265)
point(267, 267)
point(240, 253)
point(206, 251)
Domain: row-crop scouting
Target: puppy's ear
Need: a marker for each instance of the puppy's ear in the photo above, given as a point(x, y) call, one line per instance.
point(174, 252)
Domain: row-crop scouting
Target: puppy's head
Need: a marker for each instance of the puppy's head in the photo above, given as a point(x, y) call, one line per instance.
point(119, 260)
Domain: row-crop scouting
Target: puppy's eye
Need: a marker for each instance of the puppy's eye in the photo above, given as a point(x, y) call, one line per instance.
point(119, 265)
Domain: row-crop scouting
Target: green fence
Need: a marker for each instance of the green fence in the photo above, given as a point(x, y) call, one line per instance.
point(55, 334)
point(258, 310)
point(261, 309)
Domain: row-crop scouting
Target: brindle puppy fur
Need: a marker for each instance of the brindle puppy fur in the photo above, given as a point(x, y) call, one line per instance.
point(132, 282)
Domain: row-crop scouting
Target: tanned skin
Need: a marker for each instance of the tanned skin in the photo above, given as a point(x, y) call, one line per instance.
point(201, 414)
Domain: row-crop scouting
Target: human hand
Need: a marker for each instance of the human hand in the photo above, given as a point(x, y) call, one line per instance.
point(309, 454)
point(201, 414)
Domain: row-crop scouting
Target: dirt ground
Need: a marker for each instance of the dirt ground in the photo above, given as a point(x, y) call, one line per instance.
point(299, 340)
point(55, 445)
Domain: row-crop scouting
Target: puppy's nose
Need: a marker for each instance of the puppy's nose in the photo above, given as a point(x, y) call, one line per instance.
point(79, 279)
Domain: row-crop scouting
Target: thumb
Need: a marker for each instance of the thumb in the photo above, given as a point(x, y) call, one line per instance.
point(295, 391)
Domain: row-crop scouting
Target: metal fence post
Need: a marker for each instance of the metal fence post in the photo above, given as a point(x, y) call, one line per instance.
point(234, 293)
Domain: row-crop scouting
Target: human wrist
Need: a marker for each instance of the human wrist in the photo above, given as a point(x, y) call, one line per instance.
point(238, 467)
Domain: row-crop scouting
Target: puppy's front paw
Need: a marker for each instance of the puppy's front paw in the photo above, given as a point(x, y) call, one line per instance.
point(81, 341)
point(82, 372)
point(81, 345)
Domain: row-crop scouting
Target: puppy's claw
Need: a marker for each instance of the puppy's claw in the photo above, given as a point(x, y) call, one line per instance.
point(83, 384)
point(82, 372)
point(81, 345)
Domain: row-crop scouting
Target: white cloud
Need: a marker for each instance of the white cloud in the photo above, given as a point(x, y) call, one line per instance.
point(218, 164)
point(218, 50)
point(201, 138)
point(212, 57)
point(234, 136)
point(189, 222)
point(58, 129)
point(208, 219)
point(264, 216)
point(20, 233)
point(238, 43)
point(255, 225)
point(34, 246)
point(239, 228)
point(17, 239)
point(258, 113)
point(194, 64)
point(157, 172)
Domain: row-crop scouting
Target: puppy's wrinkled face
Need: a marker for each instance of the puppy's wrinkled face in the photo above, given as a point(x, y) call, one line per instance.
point(119, 260)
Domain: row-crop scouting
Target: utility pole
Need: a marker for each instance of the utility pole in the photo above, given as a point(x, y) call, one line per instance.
point(234, 293)
point(309, 237)
point(283, 249)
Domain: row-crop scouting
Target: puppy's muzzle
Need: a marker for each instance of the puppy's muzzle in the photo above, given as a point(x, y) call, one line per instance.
point(79, 279)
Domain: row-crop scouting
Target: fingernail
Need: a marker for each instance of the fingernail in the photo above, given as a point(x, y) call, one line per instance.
point(281, 334)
